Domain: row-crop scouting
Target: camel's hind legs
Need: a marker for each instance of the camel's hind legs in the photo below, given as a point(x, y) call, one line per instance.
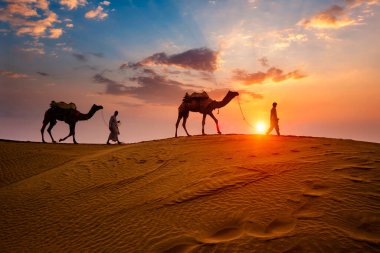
point(185, 116)
point(180, 116)
point(52, 124)
point(203, 124)
point(177, 123)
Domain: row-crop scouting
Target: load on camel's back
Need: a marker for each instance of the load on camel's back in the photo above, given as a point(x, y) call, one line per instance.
point(197, 100)
point(63, 105)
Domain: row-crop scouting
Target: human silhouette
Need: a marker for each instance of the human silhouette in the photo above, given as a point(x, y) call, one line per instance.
point(114, 129)
point(274, 120)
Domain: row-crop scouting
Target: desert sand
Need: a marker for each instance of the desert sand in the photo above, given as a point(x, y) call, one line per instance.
point(228, 193)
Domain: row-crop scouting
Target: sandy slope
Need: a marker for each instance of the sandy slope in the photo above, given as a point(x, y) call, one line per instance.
point(200, 194)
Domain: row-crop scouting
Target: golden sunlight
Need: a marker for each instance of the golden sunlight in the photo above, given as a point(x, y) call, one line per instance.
point(260, 127)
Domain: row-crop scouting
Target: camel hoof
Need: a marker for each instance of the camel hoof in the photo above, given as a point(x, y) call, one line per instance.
point(54, 142)
point(60, 140)
point(219, 132)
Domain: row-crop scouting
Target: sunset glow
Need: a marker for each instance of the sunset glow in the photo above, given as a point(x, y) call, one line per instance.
point(260, 127)
point(318, 60)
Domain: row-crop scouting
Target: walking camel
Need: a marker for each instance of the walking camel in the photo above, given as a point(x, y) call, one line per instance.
point(203, 104)
point(69, 116)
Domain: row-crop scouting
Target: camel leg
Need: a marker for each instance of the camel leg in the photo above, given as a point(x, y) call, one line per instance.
point(216, 122)
point(52, 124)
point(44, 124)
point(72, 129)
point(70, 133)
point(177, 123)
point(203, 123)
point(185, 116)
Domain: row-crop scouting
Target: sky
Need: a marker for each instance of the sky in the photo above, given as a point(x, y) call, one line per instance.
point(318, 59)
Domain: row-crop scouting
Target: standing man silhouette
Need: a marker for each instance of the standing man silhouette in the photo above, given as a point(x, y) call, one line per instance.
point(114, 129)
point(274, 120)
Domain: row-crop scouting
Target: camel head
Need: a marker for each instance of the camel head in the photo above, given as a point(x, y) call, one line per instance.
point(96, 107)
point(232, 94)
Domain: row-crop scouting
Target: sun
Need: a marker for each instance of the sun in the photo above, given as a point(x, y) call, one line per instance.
point(260, 127)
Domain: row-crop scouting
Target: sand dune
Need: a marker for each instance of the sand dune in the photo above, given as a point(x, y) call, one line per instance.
point(231, 193)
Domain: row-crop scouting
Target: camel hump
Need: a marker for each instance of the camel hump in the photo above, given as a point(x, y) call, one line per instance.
point(195, 95)
point(63, 105)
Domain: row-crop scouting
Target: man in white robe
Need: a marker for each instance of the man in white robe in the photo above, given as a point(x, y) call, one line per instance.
point(114, 129)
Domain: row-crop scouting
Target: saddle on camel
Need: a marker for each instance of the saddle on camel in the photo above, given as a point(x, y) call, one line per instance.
point(63, 105)
point(197, 100)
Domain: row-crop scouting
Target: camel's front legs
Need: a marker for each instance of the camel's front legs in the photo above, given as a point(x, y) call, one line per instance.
point(203, 123)
point(44, 124)
point(52, 124)
point(216, 122)
point(71, 133)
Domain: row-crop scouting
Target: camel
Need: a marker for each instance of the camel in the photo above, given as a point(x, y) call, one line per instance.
point(203, 105)
point(69, 116)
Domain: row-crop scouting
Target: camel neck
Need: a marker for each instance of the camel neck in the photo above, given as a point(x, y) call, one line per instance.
point(224, 102)
point(88, 115)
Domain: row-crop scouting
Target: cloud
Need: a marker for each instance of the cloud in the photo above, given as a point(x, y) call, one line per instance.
point(42, 73)
point(99, 55)
point(24, 22)
point(36, 50)
point(80, 57)
point(152, 88)
point(13, 75)
point(22, 9)
point(98, 13)
point(107, 3)
point(73, 4)
point(55, 33)
point(336, 16)
point(33, 47)
point(197, 59)
point(272, 74)
point(251, 94)
point(264, 62)
point(69, 25)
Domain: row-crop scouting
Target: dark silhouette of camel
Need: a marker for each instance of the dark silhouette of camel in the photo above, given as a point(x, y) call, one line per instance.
point(69, 116)
point(203, 105)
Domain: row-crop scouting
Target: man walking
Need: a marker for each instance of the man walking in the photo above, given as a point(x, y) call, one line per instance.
point(114, 129)
point(274, 120)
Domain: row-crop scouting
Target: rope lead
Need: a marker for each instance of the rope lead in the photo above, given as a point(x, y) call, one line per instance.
point(242, 114)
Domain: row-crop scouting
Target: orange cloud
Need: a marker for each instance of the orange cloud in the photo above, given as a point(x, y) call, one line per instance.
point(22, 9)
point(23, 17)
point(55, 33)
point(13, 75)
point(336, 16)
point(98, 13)
point(73, 4)
point(272, 74)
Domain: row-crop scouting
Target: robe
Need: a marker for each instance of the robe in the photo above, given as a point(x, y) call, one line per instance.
point(114, 129)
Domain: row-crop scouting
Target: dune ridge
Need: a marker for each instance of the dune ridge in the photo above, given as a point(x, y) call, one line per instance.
point(229, 193)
